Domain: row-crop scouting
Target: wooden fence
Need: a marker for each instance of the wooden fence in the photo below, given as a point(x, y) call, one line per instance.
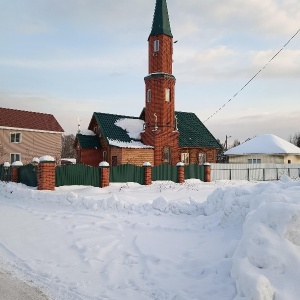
point(254, 172)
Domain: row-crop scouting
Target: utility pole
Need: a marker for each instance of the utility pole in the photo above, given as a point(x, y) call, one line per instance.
point(226, 139)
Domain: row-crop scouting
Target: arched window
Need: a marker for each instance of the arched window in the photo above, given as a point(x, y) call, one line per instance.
point(167, 155)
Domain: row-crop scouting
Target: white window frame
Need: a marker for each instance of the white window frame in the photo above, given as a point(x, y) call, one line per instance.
point(13, 157)
point(149, 95)
point(167, 95)
point(13, 137)
point(201, 158)
point(156, 45)
point(254, 161)
point(185, 158)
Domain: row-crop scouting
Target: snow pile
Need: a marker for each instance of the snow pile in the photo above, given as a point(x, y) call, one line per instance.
point(221, 240)
point(131, 144)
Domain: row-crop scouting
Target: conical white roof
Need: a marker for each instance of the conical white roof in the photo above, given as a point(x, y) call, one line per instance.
point(265, 144)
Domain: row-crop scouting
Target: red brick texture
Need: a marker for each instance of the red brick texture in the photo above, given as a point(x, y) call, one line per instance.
point(14, 173)
point(207, 173)
point(180, 172)
point(104, 177)
point(160, 61)
point(46, 176)
point(90, 157)
point(147, 175)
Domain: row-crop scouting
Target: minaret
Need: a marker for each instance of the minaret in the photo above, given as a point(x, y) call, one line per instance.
point(160, 124)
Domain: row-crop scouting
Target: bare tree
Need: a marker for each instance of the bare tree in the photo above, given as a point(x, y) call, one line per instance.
point(68, 150)
point(295, 139)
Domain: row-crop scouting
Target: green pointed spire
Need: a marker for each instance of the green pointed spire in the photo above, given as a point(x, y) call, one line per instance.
point(161, 23)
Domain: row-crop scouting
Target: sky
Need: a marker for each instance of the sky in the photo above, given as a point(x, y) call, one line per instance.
point(74, 57)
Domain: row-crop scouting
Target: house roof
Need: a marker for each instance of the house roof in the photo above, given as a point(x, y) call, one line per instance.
point(161, 22)
point(193, 133)
point(265, 144)
point(118, 130)
point(123, 131)
point(88, 141)
point(21, 119)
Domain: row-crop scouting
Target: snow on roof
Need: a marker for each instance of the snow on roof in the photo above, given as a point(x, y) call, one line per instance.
point(265, 144)
point(87, 132)
point(132, 144)
point(134, 127)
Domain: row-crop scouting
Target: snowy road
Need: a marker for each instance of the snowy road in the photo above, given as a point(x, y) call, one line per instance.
point(12, 288)
point(133, 242)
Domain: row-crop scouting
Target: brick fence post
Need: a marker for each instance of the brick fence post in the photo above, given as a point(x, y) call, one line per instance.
point(207, 172)
point(180, 172)
point(104, 174)
point(46, 173)
point(147, 173)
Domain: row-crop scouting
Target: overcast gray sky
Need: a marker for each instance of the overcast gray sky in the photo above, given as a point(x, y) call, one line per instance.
point(73, 57)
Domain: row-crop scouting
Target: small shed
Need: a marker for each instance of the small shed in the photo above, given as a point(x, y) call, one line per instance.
point(265, 148)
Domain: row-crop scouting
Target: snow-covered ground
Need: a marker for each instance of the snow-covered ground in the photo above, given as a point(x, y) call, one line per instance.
point(222, 240)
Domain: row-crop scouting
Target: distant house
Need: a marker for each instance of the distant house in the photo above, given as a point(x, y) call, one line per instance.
point(26, 134)
point(160, 134)
point(265, 148)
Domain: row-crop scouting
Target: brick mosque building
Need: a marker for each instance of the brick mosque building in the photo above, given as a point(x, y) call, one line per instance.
point(160, 134)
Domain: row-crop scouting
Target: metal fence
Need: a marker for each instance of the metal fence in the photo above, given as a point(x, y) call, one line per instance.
point(254, 172)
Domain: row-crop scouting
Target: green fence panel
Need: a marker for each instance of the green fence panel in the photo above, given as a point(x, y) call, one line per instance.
point(4, 174)
point(127, 173)
point(194, 171)
point(27, 175)
point(77, 174)
point(164, 172)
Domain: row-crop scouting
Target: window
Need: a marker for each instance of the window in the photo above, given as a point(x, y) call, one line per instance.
point(166, 155)
point(202, 158)
point(289, 161)
point(15, 137)
point(185, 158)
point(148, 95)
point(167, 95)
point(15, 157)
point(254, 161)
point(156, 45)
point(104, 155)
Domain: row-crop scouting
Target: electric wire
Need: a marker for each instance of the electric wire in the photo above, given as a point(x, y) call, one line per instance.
point(253, 77)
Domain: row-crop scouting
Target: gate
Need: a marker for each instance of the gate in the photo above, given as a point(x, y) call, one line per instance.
point(4, 174)
point(127, 173)
point(194, 171)
point(164, 172)
point(27, 175)
point(77, 174)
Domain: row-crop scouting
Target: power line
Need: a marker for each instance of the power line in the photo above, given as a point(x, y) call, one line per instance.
point(253, 77)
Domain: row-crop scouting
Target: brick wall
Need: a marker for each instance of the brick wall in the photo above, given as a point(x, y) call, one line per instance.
point(160, 61)
point(91, 157)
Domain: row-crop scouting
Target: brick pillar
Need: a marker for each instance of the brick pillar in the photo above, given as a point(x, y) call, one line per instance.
point(207, 172)
point(147, 173)
point(14, 174)
point(104, 174)
point(180, 172)
point(46, 175)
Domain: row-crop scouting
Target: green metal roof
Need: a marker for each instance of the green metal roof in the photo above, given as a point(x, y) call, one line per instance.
point(193, 132)
point(106, 122)
point(88, 141)
point(161, 22)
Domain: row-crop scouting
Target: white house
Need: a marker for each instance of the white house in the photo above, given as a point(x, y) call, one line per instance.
point(265, 148)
